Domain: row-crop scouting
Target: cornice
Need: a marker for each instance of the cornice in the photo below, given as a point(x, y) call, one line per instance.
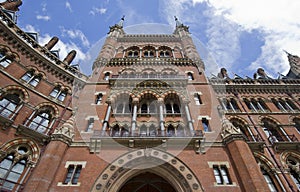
point(149, 38)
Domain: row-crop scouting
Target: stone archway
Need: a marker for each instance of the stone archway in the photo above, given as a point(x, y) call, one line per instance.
point(152, 163)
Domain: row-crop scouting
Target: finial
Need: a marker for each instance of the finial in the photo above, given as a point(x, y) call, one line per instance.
point(121, 21)
point(177, 22)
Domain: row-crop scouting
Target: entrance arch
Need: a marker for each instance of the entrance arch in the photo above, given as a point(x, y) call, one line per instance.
point(148, 163)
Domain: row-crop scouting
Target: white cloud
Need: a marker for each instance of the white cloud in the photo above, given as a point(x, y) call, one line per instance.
point(73, 34)
point(96, 10)
point(43, 17)
point(64, 48)
point(68, 6)
point(277, 20)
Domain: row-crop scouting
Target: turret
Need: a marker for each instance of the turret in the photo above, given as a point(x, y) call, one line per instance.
point(294, 62)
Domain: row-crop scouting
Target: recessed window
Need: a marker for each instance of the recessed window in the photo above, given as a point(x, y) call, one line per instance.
point(73, 174)
point(269, 180)
point(221, 175)
point(148, 53)
point(164, 54)
point(133, 54)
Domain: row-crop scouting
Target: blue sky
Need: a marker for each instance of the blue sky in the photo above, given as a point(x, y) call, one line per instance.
point(240, 35)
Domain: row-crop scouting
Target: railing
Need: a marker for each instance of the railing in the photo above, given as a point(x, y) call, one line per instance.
point(145, 134)
point(148, 76)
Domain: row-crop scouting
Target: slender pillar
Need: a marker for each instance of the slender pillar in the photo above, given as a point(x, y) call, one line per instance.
point(161, 116)
point(134, 115)
point(105, 122)
point(188, 117)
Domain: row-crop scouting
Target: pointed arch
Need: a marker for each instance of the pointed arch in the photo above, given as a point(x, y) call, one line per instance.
point(161, 163)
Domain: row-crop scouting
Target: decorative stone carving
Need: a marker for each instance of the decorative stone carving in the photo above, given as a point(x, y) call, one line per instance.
point(228, 128)
point(66, 132)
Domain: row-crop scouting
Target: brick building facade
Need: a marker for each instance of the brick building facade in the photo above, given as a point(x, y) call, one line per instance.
point(147, 119)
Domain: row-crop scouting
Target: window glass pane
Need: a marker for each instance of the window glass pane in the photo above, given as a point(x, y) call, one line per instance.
point(217, 175)
point(34, 82)
point(225, 175)
point(69, 174)
point(76, 175)
point(5, 62)
point(54, 92)
point(27, 76)
point(62, 96)
point(19, 167)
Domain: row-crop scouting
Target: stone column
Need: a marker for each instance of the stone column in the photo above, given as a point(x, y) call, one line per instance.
point(188, 117)
point(107, 115)
point(134, 115)
point(161, 116)
point(45, 171)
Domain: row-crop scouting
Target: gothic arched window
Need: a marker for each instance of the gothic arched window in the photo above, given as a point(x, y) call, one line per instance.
point(58, 93)
point(272, 131)
point(9, 104)
point(30, 78)
point(12, 169)
point(293, 165)
point(41, 120)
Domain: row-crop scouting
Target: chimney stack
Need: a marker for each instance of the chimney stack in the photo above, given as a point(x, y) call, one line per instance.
point(51, 43)
point(69, 58)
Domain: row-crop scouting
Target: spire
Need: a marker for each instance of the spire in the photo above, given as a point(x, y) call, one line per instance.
point(121, 21)
point(118, 26)
point(179, 25)
point(294, 62)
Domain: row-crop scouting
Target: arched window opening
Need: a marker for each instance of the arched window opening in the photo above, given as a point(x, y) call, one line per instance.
point(115, 132)
point(30, 78)
point(293, 165)
point(171, 131)
point(284, 104)
point(144, 108)
point(197, 99)
point(125, 131)
point(123, 104)
point(176, 108)
point(12, 168)
point(8, 104)
point(244, 129)
point(269, 180)
point(148, 104)
point(148, 53)
point(152, 130)
point(168, 108)
point(58, 93)
point(143, 130)
point(41, 120)
point(120, 108)
point(190, 76)
point(229, 104)
point(106, 76)
point(271, 129)
point(164, 53)
point(133, 53)
point(256, 105)
point(172, 104)
point(4, 60)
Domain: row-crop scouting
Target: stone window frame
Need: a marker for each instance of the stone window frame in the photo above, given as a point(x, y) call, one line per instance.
point(67, 165)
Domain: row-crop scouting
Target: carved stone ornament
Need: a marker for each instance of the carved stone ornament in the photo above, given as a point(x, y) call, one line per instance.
point(228, 128)
point(65, 133)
